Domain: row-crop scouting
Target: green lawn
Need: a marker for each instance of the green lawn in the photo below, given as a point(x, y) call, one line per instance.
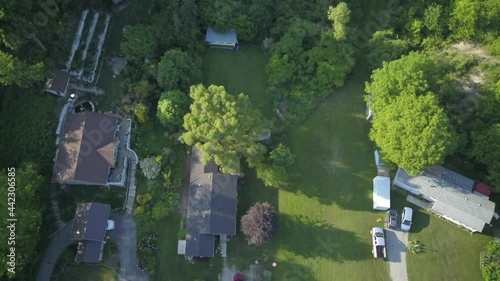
point(450, 252)
point(86, 273)
point(241, 71)
point(325, 215)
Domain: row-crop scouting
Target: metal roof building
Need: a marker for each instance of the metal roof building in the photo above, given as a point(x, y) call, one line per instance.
point(452, 195)
point(221, 39)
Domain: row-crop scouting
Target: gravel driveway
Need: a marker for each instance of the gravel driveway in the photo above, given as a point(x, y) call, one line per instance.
point(396, 241)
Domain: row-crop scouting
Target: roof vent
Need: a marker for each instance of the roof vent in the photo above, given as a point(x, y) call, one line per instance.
point(209, 176)
point(479, 205)
point(199, 185)
point(466, 198)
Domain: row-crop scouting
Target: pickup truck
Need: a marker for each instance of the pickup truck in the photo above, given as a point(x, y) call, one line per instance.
point(378, 240)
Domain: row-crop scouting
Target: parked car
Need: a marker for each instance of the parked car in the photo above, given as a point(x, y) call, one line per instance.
point(378, 239)
point(239, 277)
point(406, 219)
point(392, 218)
point(110, 225)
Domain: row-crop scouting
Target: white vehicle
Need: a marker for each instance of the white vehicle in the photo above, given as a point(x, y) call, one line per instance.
point(406, 219)
point(378, 240)
point(110, 225)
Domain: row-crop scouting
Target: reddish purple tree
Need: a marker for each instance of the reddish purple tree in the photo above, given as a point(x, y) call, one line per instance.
point(259, 223)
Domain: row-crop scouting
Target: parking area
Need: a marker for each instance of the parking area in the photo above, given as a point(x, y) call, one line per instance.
point(396, 242)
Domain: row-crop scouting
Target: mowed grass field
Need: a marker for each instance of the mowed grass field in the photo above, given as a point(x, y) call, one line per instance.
point(325, 213)
point(450, 253)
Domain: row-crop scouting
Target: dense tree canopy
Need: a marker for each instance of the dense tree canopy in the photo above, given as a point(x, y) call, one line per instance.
point(384, 47)
point(486, 150)
point(28, 210)
point(412, 74)
point(340, 16)
point(491, 265)
point(177, 71)
point(224, 127)
point(139, 43)
point(413, 132)
point(14, 71)
point(171, 108)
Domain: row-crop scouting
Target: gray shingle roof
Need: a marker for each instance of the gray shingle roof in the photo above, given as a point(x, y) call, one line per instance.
point(59, 83)
point(89, 251)
point(211, 207)
point(452, 193)
point(90, 221)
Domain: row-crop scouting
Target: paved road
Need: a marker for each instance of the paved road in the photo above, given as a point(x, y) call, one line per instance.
point(396, 241)
point(58, 244)
point(124, 235)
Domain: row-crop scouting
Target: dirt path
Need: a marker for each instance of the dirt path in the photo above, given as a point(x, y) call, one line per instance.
point(473, 49)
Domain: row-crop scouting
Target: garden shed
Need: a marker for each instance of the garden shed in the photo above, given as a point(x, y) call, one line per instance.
point(224, 40)
point(381, 193)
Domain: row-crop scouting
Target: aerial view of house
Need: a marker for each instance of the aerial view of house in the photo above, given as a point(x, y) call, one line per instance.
point(453, 196)
point(212, 208)
point(225, 140)
point(89, 229)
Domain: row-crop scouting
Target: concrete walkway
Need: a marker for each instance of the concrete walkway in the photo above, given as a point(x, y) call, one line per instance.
point(124, 235)
point(58, 244)
point(131, 189)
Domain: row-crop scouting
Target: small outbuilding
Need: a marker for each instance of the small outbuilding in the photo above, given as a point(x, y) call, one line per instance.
point(57, 85)
point(224, 40)
point(381, 193)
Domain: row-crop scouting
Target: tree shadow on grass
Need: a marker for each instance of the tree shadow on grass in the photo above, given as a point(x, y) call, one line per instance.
point(421, 219)
point(290, 271)
point(312, 238)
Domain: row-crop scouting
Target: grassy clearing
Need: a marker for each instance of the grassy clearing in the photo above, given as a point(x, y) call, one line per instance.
point(449, 252)
point(85, 272)
point(240, 72)
point(325, 214)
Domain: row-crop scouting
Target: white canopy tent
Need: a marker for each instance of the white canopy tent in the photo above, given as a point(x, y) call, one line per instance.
point(381, 193)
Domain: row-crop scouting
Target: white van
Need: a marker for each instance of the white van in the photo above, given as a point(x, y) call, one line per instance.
point(406, 219)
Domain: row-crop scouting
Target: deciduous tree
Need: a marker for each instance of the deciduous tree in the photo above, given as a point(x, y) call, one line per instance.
point(177, 71)
point(282, 156)
point(141, 112)
point(413, 132)
point(411, 74)
point(139, 43)
point(259, 223)
point(486, 150)
point(384, 47)
point(28, 210)
point(150, 167)
point(14, 71)
point(172, 107)
point(340, 17)
point(224, 127)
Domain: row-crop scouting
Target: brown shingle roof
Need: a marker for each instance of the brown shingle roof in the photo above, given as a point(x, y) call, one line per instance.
point(58, 83)
point(86, 149)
